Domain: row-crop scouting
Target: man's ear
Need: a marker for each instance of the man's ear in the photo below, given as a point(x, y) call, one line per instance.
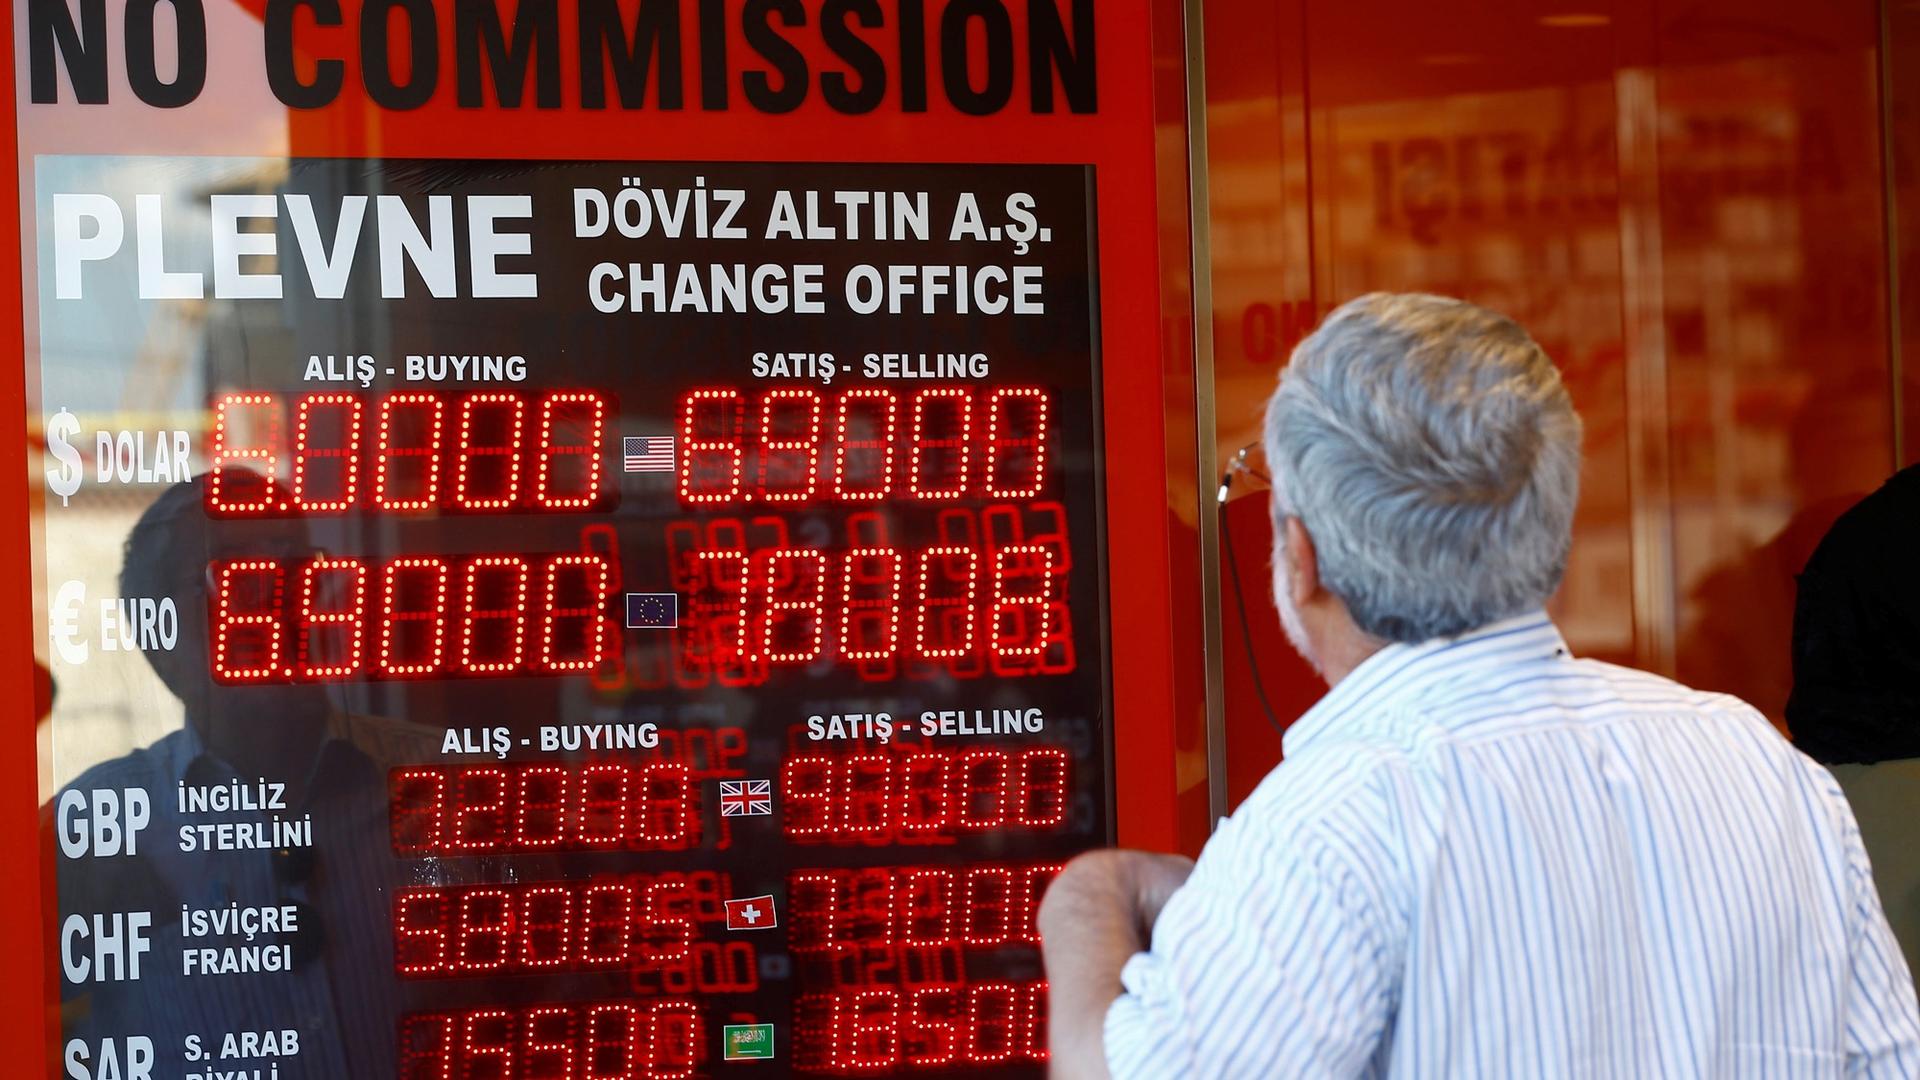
point(1303, 563)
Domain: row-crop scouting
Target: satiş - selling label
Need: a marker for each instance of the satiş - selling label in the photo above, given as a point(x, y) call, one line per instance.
point(982, 722)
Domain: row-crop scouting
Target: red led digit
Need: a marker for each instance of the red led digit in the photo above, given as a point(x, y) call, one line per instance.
point(343, 459)
point(406, 449)
point(666, 805)
point(983, 798)
point(606, 924)
point(866, 790)
point(806, 794)
point(710, 466)
point(487, 1044)
point(233, 488)
point(789, 463)
point(617, 1045)
point(674, 1039)
point(670, 932)
point(735, 969)
point(863, 463)
point(246, 630)
point(415, 807)
point(568, 476)
point(540, 807)
point(934, 1038)
point(926, 906)
point(420, 931)
point(1022, 619)
point(943, 625)
point(813, 904)
point(867, 918)
point(1043, 787)
point(413, 609)
point(575, 632)
point(493, 633)
point(993, 1018)
point(1033, 1015)
point(1033, 885)
point(488, 432)
point(991, 907)
point(870, 1038)
point(547, 1043)
point(603, 805)
point(1019, 459)
point(480, 809)
point(742, 581)
point(333, 611)
point(939, 463)
point(428, 1048)
point(870, 604)
point(926, 802)
point(482, 936)
point(545, 929)
point(795, 579)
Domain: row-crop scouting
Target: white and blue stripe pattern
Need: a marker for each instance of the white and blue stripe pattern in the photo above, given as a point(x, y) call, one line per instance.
point(1484, 858)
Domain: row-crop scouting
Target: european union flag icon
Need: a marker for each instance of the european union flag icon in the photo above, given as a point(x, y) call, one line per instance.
point(653, 610)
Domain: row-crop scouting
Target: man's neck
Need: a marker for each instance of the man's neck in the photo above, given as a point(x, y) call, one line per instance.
point(1343, 650)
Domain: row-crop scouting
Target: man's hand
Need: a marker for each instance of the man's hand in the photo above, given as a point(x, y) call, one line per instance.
point(1097, 913)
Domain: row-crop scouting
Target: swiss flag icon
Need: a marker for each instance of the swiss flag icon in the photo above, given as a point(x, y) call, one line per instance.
point(751, 913)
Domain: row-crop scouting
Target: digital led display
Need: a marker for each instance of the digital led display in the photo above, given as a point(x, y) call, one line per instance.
point(692, 666)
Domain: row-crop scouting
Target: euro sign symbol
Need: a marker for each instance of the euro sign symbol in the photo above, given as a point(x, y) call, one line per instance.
point(65, 620)
point(65, 480)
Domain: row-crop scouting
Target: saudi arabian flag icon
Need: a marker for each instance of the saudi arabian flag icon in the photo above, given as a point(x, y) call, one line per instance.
point(747, 1042)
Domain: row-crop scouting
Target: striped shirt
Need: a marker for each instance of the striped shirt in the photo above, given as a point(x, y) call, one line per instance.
point(1484, 858)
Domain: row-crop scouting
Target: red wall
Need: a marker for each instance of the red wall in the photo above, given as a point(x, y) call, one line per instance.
point(1684, 203)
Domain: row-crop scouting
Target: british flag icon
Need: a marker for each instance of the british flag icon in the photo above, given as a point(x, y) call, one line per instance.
point(746, 798)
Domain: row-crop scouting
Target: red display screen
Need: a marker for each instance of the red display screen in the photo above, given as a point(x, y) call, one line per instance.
point(696, 691)
point(986, 596)
point(416, 451)
point(612, 1040)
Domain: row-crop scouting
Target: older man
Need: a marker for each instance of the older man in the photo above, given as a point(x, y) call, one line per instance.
point(1482, 857)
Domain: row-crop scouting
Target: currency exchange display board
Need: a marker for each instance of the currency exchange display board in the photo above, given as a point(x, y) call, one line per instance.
point(623, 619)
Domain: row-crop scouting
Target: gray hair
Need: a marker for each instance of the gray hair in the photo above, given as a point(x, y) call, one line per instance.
point(1431, 452)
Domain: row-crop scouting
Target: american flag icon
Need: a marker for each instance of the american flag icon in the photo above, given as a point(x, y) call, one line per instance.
point(746, 798)
point(648, 453)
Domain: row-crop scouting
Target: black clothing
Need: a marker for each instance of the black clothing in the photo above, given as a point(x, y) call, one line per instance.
point(1856, 633)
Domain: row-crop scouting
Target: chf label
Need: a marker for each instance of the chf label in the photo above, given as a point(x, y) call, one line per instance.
point(119, 940)
point(109, 824)
point(109, 1061)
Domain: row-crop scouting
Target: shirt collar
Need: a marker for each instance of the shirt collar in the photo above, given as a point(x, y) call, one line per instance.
point(1426, 672)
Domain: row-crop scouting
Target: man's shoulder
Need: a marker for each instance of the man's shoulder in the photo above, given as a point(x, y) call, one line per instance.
point(1350, 785)
point(1635, 686)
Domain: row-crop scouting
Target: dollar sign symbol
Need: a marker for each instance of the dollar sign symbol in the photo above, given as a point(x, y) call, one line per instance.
point(66, 479)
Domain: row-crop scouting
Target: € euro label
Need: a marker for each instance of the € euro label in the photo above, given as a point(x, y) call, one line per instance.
point(747, 1042)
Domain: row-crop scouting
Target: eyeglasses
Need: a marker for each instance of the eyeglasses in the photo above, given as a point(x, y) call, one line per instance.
point(1246, 473)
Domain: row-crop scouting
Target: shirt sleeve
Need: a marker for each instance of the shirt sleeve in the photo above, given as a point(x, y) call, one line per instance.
point(1883, 1018)
point(1268, 962)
